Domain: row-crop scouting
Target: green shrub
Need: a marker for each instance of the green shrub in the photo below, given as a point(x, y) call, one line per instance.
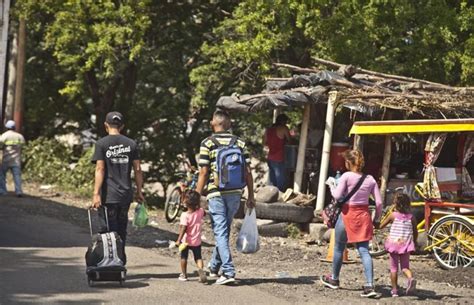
point(47, 161)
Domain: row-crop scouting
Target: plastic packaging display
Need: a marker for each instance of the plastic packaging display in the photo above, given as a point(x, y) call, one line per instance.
point(141, 216)
point(247, 241)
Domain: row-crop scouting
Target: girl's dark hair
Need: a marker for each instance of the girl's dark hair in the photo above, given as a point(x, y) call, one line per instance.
point(402, 203)
point(192, 199)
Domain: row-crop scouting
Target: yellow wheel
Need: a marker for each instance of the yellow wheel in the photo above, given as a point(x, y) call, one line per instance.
point(451, 239)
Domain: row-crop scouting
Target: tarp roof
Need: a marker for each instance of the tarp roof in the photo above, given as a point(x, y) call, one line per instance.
point(362, 92)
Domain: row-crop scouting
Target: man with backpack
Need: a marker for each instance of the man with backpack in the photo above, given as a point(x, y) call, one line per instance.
point(115, 155)
point(225, 167)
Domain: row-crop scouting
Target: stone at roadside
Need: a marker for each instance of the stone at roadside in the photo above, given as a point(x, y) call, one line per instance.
point(317, 230)
point(268, 194)
point(327, 235)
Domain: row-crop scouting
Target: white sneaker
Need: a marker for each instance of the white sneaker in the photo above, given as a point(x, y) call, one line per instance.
point(182, 278)
point(224, 280)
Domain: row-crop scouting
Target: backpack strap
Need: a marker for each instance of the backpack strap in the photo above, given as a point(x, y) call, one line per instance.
point(232, 142)
point(354, 190)
point(214, 141)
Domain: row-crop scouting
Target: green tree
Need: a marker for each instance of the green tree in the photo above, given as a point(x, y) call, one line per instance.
point(425, 39)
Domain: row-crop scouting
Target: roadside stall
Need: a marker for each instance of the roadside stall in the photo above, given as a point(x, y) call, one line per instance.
point(446, 193)
point(341, 97)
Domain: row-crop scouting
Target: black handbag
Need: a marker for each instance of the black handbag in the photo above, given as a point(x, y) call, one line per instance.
point(331, 213)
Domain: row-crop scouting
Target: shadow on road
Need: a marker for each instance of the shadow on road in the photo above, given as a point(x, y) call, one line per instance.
point(301, 280)
point(34, 210)
point(420, 294)
point(31, 277)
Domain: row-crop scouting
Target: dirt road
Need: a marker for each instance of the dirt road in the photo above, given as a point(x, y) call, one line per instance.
point(42, 244)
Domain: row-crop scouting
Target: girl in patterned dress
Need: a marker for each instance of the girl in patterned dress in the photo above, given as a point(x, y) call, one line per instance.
point(401, 241)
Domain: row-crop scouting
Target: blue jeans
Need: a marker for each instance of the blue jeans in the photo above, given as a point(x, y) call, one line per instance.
point(16, 172)
point(222, 210)
point(277, 174)
point(340, 245)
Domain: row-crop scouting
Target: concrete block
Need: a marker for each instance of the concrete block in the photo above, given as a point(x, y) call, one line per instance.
point(327, 235)
point(317, 230)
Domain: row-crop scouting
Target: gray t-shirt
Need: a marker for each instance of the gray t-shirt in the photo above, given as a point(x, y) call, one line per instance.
point(118, 152)
point(11, 143)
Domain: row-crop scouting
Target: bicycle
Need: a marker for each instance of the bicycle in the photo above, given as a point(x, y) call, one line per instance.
point(174, 204)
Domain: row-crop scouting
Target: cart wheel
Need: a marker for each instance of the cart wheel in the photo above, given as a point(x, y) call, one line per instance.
point(455, 235)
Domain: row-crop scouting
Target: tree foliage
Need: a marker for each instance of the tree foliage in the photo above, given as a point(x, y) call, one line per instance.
point(164, 64)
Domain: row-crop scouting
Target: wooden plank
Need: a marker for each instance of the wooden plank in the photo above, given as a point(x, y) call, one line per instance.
point(302, 149)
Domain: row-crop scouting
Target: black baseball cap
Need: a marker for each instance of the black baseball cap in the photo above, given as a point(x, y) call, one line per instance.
point(114, 118)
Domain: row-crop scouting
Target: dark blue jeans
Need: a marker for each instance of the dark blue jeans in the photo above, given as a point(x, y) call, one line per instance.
point(277, 174)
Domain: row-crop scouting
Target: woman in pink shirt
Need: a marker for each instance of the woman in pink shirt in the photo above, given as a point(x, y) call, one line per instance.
point(189, 238)
point(354, 224)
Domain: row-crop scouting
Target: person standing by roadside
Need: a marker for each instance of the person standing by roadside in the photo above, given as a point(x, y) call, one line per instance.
point(11, 143)
point(223, 204)
point(115, 155)
point(275, 139)
point(355, 223)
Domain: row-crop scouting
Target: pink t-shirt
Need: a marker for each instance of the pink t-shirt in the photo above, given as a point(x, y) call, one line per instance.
point(193, 223)
point(349, 180)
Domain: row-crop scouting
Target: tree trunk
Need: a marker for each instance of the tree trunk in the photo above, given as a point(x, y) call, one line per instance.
point(103, 102)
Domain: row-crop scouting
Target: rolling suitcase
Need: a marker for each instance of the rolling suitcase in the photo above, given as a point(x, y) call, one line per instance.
point(105, 256)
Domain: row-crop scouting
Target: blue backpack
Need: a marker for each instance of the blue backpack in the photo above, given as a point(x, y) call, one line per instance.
point(230, 166)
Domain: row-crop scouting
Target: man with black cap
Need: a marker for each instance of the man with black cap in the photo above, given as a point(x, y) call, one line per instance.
point(115, 155)
point(11, 143)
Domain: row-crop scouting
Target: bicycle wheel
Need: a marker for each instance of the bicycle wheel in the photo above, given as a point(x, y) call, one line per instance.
point(172, 204)
point(454, 239)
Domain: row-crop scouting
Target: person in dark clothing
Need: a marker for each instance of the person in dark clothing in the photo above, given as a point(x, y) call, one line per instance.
point(115, 155)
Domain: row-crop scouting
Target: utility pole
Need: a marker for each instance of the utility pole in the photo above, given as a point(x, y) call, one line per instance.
point(20, 76)
point(5, 15)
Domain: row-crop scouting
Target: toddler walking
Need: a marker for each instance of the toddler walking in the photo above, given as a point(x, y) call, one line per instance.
point(189, 238)
point(401, 241)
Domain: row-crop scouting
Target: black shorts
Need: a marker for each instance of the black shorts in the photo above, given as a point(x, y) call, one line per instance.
point(196, 252)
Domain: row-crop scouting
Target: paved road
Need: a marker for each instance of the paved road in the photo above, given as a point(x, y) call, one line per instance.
point(42, 262)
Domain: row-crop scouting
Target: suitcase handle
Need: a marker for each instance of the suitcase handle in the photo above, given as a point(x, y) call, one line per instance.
point(106, 219)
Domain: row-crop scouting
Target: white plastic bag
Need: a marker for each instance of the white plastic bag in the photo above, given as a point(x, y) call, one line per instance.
point(247, 241)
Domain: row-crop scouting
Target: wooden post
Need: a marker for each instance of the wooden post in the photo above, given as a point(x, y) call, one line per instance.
point(276, 112)
point(386, 166)
point(18, 111)
point(358, 142)
point(11, 77)
point(323, 173)
point(302, 149)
